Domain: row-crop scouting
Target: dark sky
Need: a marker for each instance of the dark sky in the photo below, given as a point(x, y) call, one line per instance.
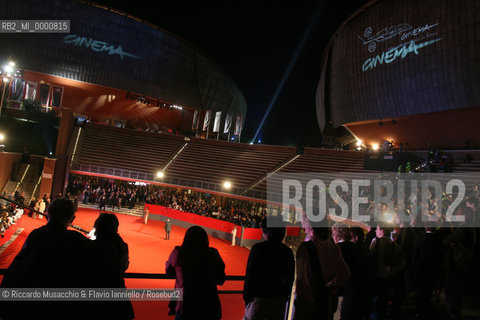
point(255, 40)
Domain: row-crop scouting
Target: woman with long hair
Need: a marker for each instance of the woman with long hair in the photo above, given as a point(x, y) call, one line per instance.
point(198, 270)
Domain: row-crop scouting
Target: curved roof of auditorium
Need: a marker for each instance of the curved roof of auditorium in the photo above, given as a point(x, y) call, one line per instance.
point(400, 58)
point(113, 49)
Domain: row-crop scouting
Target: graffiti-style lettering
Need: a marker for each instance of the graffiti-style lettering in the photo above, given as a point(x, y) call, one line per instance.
point(97, 45)
point(394, 53)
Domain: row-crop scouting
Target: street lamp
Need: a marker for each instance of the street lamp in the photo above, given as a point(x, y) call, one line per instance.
point(9, 67)
point(6, 71)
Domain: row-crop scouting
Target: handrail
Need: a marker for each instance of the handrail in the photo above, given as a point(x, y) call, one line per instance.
point(133, 275)
point(160, 276)
point(155, 276)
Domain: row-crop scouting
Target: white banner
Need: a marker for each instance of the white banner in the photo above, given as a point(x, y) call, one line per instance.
point(238, 124)
point(195, 120)
point(216, 124)
point(18, 88)
point(228, 123)
point(31, 91)
point(206, 120)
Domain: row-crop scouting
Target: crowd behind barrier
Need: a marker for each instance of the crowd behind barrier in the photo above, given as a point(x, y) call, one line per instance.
point(121, 194)
point(212, 223)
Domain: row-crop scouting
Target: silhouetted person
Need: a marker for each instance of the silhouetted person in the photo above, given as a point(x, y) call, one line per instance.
point(353, 291)
point(457, 262)
point(51, 257)
point(114, 201)
point(102, 203)
point(358, 238)
point(427, 257)
point(168, 229)
point(269, 276)
point(199, 269)
point(75, 203)
point(111, 262)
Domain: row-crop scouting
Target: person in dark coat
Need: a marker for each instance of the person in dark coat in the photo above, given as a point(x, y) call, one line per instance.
point(457, 263)
point(368, 268)
point(75, 203)
point(427, 257)
point(354, 289)
point(199, 269)
point(269, 276)
point(111, 261)
point(102, 203)
point(114, 201)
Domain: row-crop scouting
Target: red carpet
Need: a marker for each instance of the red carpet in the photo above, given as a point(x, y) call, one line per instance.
point(148, 254)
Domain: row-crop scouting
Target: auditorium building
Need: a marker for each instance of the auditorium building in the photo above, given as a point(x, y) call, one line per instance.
point(116, 69)
point(405, 71)
point(112, 69)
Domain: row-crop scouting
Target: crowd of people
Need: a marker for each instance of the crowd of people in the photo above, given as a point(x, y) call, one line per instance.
point(365, 273)
point(9, 212)
point(120, 194)
point(402, 201)
point(8, 217)
point(55, 257)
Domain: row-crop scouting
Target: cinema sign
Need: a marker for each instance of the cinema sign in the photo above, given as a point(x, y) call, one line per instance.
point(97, 46)
point(412, 40)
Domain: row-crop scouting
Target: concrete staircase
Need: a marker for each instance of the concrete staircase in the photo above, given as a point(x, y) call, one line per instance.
point(137, 211)
point(472, 167)
point(26, 179)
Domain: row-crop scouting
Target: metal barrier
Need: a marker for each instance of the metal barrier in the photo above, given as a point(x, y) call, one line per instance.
point(162, 276)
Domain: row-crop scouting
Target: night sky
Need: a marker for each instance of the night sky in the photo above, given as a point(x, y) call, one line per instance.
point(255, 40)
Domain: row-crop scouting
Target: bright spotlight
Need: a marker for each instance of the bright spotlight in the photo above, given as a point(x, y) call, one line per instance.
point(8, 68)
point(160, 174)
point(227, 184)
point(389, 217)
point(11, 63)
point(5, 79)
point(375, 147)
point(359, 143)
point(2, 137)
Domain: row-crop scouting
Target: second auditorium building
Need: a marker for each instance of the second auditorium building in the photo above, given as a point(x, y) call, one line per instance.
point(405, 71)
